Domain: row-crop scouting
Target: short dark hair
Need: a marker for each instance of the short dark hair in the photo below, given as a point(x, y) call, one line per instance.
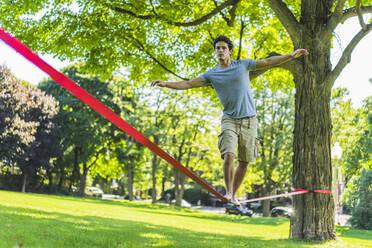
point(224, 39)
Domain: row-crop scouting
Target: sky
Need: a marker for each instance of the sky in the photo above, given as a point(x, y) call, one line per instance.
point(355, 77)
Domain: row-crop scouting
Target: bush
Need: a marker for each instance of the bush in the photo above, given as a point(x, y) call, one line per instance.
point(362, 201)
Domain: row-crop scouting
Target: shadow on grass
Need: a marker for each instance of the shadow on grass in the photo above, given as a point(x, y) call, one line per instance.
point(170, 211)
point(35, 228)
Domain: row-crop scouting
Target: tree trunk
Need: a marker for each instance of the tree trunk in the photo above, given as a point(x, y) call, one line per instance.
point(313, 212)
point(24, 182)
point(313, 216)
point(153, 175)
point(50, 177)
point(61, 179)
point(153, 171)
point(83, 180)
point(179, 182)
point(266, 203)
point(76, 171)
point(163, 180)
point(130, 182)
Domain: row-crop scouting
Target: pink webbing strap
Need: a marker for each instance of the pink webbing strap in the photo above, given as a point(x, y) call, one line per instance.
point(95, 104)
point(297, 192)
point(274, 196)
point(315, 191)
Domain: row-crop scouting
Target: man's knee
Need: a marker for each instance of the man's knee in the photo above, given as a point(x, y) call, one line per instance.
point(228, 156)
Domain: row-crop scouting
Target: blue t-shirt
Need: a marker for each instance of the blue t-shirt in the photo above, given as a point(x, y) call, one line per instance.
point(232, 86)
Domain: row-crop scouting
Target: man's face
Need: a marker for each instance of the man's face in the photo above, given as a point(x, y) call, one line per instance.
point(222, 50)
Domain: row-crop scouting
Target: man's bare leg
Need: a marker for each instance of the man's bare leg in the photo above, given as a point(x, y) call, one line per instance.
point(239, 175)
point(228, 172)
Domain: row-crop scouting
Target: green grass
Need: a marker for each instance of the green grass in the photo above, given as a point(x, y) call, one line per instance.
point(33, 220)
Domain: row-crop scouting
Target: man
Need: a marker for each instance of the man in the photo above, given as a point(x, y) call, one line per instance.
point(231, 81)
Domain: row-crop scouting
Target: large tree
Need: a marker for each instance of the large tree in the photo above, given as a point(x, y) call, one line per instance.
point(27, 125)
point(153, 38)
point(85, 133)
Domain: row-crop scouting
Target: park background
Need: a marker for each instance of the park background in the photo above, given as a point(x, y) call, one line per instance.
point(65, 147)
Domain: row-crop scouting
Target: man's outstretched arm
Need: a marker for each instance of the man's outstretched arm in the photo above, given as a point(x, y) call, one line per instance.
point(256, 73)
point(181, 85)
point(270, 62)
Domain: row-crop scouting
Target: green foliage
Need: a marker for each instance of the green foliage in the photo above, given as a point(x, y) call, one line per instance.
point(360, 194)
point(27, 124)
point(352, 128)
point(275, 112)
point(150, 39)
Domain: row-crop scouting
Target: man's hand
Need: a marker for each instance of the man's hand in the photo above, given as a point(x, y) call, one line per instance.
point(299, 52)
point(158, 83)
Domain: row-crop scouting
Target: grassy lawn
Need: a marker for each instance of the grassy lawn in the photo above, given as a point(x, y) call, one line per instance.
point(33, 220)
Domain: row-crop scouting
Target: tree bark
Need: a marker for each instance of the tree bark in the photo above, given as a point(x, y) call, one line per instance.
point(313, 216)
point(130, 182)
point(50, 177)
point(153, 174)
point(61, 179)
point(23, 190)
point(83, 180)
point(179, 180)
point(266, 203)
point(163, 180)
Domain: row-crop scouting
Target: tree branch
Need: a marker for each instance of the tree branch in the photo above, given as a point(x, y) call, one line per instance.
point(96, 156)
point(241, 38)
point(339, 16)
point(335, 18)
point(287, 18)
point(360, 17)
point(339, 7)
point(183, 24)
point(141, 47)
point(232, 14)
point(230, 22)
point(348, 13)
point(346, 56)
point(222, 14)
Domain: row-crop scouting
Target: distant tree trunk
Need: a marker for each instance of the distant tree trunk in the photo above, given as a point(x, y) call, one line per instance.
point(76, 171)
point(61, 179)
point(24, 182)
point(83, 180)
point(266, 203)
point(179, 186)
point(179, 176)
point(153, 175)
point(130, 182)
point(50, 178)
point(163, 180)
point(153, 172)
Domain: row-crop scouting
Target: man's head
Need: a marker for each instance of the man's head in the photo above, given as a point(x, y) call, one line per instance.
point(223, 47)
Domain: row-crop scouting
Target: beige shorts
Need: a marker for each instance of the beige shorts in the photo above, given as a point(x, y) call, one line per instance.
point(242, 133)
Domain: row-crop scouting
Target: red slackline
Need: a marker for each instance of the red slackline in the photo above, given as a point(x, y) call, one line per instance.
point(99, 107)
